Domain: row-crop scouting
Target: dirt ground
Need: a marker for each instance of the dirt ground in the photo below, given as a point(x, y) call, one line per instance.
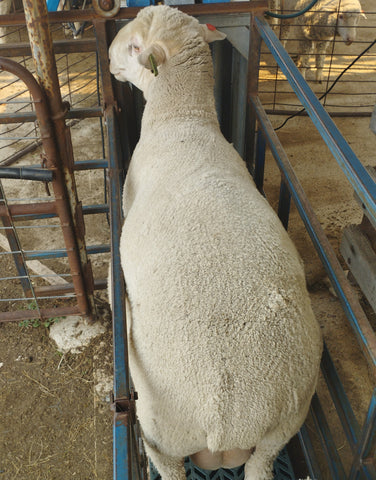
point(55, 420)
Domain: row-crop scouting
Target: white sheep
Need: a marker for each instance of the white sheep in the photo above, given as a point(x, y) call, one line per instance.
point(316, 28)
point(223, 344)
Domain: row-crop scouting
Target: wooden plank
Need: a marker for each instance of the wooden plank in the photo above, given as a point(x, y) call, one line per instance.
point(357, 251)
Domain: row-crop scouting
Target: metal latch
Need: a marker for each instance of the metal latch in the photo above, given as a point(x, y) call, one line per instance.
point(124, 408)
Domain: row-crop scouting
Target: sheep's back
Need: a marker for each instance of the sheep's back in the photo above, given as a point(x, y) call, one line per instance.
point(217, 293)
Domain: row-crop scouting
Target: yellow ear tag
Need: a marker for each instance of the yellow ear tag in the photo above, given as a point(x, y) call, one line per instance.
point(153, 64)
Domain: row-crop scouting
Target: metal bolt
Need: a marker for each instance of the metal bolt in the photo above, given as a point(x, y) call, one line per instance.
point(106, 5)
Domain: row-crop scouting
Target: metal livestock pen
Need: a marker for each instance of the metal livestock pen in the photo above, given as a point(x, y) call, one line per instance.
point(244, 122)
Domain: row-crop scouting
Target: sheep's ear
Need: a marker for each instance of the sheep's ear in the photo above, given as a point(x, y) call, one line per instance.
point(363, 14)
point(210, 33)
point(152, 57)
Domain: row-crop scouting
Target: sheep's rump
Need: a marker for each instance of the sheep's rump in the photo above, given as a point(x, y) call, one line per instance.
point(222, 334)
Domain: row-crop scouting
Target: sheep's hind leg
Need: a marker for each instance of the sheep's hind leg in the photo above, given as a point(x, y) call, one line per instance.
point(169, 468)
point(260, 464)
point(321, 48)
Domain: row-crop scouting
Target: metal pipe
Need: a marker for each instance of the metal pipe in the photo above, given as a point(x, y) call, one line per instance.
point(61, 158)
point(350, 303)
point(78, 45)
point(357, 175)
point(19, 315)
point(58, 184)
point(27, 173)
point(64, 16)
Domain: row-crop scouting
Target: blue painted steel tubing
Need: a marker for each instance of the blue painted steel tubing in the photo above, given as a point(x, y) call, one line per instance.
point(353, 169)
point(27, 173)
point(355, 172)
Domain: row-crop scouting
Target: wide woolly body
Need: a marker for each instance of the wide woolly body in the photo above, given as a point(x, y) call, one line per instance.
point(224, 347)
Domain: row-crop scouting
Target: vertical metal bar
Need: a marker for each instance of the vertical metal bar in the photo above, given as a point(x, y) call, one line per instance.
point(284, 204)
point(364, 461)
point(122, 466)
point(260, 161)
point(357, 175)
point(15, 247)
point(252, 90)
point(68, 206)
point(350, 303)
point(330, 450)
point(309, 453)
point(340, 400)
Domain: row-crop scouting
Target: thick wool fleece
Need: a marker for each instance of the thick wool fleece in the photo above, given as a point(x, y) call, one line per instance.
point(224, 347)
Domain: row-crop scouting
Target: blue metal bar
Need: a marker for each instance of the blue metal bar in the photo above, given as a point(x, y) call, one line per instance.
point(329, 447)
point(121, 372)
point(91, 164)
point(354, 170)
point(284, 204)
point(340, 400)
point(27, 173)
point(358, 320)
point(260, 161)
point(364, 461)
point(62, 252)
point(86, 210)
point(309, 453)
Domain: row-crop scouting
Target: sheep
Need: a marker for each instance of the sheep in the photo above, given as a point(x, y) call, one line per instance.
point(318, 26)
point(224, 348)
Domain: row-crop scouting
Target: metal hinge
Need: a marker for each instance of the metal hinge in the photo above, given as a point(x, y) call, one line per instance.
point(124, 408)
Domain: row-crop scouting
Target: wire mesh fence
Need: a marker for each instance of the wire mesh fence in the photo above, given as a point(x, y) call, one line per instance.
point(37, 276)
point(348, 86)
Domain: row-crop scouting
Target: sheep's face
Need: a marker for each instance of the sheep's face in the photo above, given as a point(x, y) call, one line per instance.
point(156, 34)
point(347, 24)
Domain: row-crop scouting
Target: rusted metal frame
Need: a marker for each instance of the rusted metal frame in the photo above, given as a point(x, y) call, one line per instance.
point(255, 6)
point(15, 246)
point(61, 159)
point(50, 290)
point(58, 184)
point(122, 457)
point(62, 252)
point(78, 45)
point(254, 52)
point(41, 208)
point(20, 315)
point(22, 212)
point(74, 113)
point(350, 303)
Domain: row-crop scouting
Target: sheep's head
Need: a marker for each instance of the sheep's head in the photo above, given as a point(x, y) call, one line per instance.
point(148, 41)
point(347, 23)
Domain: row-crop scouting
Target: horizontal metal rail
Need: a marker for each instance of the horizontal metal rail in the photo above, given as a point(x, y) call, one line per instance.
point(356, 174)
point(37, 211)
point(74, 113)
point(358, 320)
point(87, 14)
point(78, 45)
point(362, 441)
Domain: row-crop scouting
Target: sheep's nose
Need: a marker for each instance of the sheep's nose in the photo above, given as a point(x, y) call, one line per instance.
point(349, 42)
